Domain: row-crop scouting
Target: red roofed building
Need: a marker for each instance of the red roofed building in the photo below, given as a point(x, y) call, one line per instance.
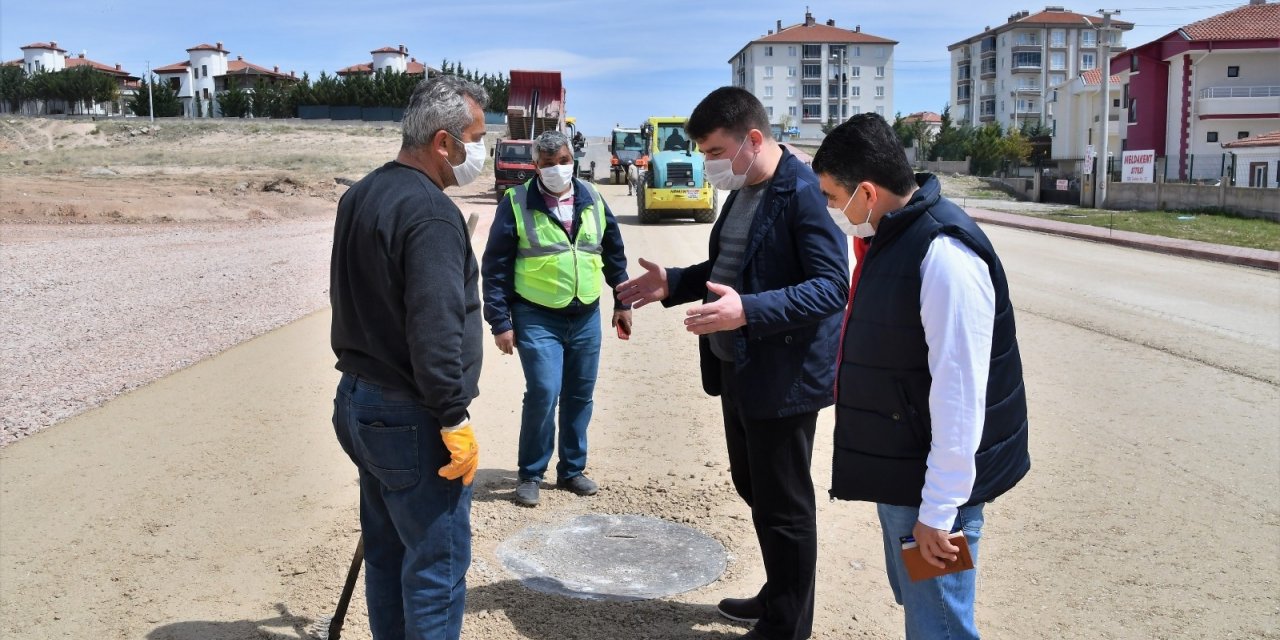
point(1205, 84)
point(1075, 109)
point(48, 57)
point(392, 59)
point(1257, 160)
point(1004, 73)
point(208, 71)
point(810, 74)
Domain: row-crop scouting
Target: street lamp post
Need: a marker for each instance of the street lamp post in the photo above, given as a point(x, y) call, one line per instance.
point(840, 85)
point(1104, 46)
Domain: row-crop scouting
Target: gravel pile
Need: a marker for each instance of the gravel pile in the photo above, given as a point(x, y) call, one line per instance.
point(92, 311)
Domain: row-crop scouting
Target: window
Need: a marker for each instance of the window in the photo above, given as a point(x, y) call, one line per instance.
point(1058, 38)
point(813, 91)
point(1233, 72)
point(812, 111)
point(1057, 61)
point(768, 72)
point(768, 91)
point(880, 111)
point(791, 92)
point(1089, 38)
point(855, 91)
point(1212, 136)
point(855, 72)
point(1241, 135)
point(812, 51)
point(791, 111)
point(857, 52)
point(768, 51)
point(879, 91)
point(175, 84)
point(879, 72)
point(1133, 63)
point(1026, 60)
point(1115, 103)
point(813, 71)
point(206, 94)
point(1133, 110)
point(1056, 79)
point(791, 72)
point(791, 51)
point(204, 71)
point(1088, 61)
point(770, 110)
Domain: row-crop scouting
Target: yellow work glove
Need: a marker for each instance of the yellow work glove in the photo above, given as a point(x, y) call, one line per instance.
point(464, 453)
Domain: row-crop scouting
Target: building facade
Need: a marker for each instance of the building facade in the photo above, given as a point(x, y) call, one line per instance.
point(208, 71)
point(811, 74)
point(1004, 74)
point(48, 57)
point(1075, 114)
point(391, 59)
point(1205, 84)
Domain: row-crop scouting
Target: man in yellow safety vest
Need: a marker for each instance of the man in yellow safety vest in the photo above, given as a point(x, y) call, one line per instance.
point(552, 242)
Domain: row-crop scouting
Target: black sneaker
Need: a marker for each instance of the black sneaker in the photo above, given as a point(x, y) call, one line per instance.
point(741, 609)
point(580, 485)
point(527, 493)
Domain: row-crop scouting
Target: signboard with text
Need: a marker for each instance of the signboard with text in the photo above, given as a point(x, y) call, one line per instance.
point(1138, 166)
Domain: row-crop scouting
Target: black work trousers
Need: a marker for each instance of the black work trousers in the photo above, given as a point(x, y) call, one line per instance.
point(769, 462)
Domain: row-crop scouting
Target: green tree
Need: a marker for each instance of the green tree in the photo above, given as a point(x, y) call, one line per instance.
point(13, 87)
point(234, 102)
point(952, 142)
point(988, 149)
point(168, 105)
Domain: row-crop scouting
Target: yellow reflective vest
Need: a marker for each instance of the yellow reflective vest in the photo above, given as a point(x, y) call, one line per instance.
point(552, 269)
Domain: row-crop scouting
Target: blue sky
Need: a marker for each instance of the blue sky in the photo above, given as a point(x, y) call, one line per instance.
point(621, 61)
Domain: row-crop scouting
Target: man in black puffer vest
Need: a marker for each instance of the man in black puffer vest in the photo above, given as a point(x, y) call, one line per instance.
point(931, 412)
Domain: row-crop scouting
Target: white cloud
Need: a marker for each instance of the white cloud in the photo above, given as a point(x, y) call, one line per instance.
point(571, 65)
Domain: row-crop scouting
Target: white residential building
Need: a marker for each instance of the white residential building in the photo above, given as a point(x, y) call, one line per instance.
point(811, 74)
point(1075, 111)
point(1205, 84)
point(393, 59)
point(1004, 73)
point(48, 57)
point(206, 74)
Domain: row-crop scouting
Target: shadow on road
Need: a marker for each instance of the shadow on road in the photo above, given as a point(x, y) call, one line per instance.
point(285, 625)
point(632, 220)
point(541, 616)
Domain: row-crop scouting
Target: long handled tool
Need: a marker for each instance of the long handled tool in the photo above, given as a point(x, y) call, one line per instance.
point(340, 613)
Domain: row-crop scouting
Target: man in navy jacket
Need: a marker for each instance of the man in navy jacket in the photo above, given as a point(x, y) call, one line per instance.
point(771, 291)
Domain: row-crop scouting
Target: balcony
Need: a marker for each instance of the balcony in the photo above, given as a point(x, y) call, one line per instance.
point(1027, 44)
point(1237, 100)
point(987, 117)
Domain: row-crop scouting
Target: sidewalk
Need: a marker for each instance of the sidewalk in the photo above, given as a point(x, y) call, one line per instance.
point(1259, 258)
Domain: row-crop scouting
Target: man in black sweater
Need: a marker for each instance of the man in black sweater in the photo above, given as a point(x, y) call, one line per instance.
point(407, 331)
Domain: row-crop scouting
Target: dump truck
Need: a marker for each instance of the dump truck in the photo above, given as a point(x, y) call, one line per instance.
point(584, 171)
point(627, 158)
point(674, 184)
point(535, 103)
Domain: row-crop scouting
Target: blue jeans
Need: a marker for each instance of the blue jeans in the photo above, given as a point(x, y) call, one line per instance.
point(940, 607)
point(560, 355)
point(416, 525)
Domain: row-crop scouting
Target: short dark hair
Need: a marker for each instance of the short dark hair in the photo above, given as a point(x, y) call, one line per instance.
point(735, 110)
point(865, 149)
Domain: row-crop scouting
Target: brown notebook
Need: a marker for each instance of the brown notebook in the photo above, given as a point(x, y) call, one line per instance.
point(919, 570)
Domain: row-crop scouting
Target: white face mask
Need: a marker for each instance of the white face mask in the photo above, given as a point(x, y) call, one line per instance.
point(720, 172)
point(860, 230)
point(557, 178)
point(467, 172)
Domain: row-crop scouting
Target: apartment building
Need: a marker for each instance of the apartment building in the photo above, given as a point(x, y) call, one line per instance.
point(811, 74)
point(392, 59)
point(208, 72)
point(1075, 109)
point(1004, 74)
point(1205, 84)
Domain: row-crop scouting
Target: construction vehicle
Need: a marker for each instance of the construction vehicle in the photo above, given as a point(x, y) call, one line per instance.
point(535, 103)
point(626, 148)
point(674, 184)
point(579, 142)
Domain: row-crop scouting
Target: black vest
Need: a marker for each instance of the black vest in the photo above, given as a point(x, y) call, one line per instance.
point(882, 434)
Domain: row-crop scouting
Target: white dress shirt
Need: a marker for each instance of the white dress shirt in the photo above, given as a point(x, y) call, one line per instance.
point(957, 308)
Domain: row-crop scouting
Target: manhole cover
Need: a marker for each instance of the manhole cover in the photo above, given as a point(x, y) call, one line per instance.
point(601, 557)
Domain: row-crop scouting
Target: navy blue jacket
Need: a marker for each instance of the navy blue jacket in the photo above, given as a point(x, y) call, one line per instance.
point(794, 282)
point(499, 263)
point(883, 429)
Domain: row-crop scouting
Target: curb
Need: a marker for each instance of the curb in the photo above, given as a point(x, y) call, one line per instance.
point(1257, 258)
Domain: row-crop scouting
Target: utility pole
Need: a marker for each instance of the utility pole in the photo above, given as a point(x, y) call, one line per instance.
point(151, 101)
point(1104, 48)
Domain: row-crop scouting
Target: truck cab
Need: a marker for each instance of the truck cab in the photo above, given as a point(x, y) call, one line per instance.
point(512, 164)
point(674, 183)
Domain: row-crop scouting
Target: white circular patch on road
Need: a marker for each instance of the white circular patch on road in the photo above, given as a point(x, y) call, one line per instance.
point(602, 557)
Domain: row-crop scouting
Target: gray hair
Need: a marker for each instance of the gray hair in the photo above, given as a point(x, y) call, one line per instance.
point(548, 143)
point(438, 104)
